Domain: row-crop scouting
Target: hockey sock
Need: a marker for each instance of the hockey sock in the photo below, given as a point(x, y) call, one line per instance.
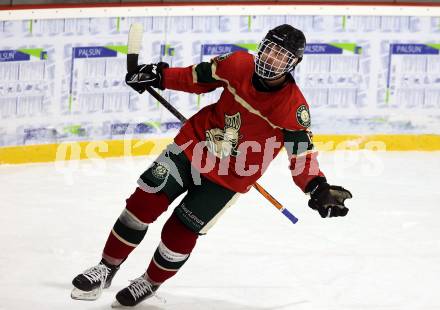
point(142, 208)
point(173, 251)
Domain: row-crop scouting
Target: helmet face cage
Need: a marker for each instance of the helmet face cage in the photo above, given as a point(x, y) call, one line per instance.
point(273, 61)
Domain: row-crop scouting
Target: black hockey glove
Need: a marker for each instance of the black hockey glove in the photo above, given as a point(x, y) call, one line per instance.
point(146, 75)
point(329, 200)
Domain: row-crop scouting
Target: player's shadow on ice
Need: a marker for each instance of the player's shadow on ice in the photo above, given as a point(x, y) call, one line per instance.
point(178, 302)
point(173, 302)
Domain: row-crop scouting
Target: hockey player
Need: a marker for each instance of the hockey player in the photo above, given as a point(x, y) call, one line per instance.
point(218, 153)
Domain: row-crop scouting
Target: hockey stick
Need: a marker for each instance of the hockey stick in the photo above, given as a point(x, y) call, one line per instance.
point(134, 47)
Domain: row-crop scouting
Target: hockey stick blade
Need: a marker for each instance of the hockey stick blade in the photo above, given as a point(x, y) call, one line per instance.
point(86, 295)
point(134, 46)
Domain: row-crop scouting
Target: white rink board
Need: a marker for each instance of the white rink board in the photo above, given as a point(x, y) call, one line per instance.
point(62, 77)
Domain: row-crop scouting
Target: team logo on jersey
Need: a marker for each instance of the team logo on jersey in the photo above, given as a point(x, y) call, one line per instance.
point(222, 57)
point(160, 170)
point(303, 116)
point(224, 142)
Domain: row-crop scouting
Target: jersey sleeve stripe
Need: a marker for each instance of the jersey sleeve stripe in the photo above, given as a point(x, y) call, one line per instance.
point(194, 74)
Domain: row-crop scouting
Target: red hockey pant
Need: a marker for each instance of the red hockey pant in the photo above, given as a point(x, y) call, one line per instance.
point(144, 208)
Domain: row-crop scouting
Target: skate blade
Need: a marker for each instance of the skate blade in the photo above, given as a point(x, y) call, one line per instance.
point(116, 304)
point(84, 295)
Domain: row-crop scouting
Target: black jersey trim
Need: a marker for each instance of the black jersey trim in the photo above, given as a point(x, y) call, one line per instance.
point(297, 142)
point(204, 73)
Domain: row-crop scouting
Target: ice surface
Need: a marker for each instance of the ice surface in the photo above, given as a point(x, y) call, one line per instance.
point(384, 255)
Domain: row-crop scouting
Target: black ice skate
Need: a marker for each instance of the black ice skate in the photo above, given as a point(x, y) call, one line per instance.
point(89, 284)
point(139, 290)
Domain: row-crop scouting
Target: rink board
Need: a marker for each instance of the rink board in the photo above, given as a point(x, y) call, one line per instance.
point(142, 147)
point(368, 72)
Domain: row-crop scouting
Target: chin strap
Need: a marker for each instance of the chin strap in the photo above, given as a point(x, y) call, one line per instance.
point(261, 85)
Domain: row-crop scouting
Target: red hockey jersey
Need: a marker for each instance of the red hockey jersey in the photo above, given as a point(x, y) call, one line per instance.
point(232, 141)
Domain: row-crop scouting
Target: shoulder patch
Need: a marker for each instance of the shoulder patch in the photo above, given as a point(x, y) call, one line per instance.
point(160, 170)
point(222, 57)
point(303, 116)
